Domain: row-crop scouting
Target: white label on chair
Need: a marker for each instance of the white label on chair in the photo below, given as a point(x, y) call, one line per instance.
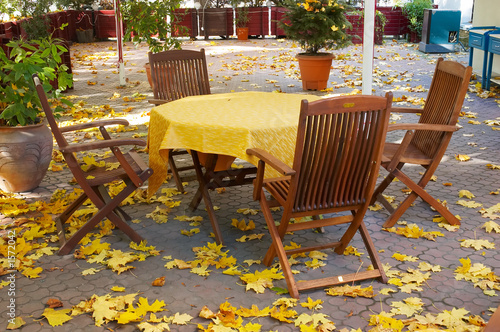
point(341, 279)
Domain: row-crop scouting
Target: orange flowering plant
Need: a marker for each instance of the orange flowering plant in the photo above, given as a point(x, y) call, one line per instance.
point(316, 24)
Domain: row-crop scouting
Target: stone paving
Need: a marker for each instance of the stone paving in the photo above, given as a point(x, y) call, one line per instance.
point(268, 65)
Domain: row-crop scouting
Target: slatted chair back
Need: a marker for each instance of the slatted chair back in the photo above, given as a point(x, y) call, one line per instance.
point(338, 152)
point(54, 127)
point(443, 104)
point(179, 73)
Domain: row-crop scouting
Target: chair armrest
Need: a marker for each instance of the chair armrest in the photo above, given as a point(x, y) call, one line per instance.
point(103, 144)
point(422, 126)
point(157, 101)
point(272, 161)
point(405, 110)
point(94, 124)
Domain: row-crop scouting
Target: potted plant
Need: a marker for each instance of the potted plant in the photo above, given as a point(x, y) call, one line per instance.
point(25, 141)
point(152, 22)
point(241, 19)
point(414, 11)
point(316, 25)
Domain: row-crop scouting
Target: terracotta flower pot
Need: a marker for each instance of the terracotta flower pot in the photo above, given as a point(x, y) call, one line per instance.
point(242, 33)
point(148, 74)
point(25, 155)
point(315, 70)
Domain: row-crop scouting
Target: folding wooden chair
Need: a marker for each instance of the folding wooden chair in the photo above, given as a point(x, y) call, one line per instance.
point(337, 158)
point(177, 74)
point(132, 170)
point(425, 142)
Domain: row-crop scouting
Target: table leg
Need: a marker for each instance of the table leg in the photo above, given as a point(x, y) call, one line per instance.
point(488, 74)
point(202, 192)
point(211, 179)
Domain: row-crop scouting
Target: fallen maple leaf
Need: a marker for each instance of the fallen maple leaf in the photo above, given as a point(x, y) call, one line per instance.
point(462, 157)
point(158, 282)
point(54, 303)
point(56, 317)
point(409, 306)
point(465, 193)
point(477, 244)
point(352, 291)
point(491, 226)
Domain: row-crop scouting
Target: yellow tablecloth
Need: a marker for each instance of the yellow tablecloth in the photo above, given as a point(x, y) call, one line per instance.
point(225, 124)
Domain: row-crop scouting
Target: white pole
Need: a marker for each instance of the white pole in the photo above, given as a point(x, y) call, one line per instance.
point(119, 42)
point(368, 45)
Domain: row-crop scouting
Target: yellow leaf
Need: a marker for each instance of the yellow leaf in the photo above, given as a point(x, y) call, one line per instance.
point(147, 327)
point(350, 250)
point(352, 291)
point(313, 305)
point(117, 289)
point(248, 211)
point(462, 157)
point(190, 232)
point(259, 281)
point(158, 282)
point(409, 306)
point(386, 291)
point(241, 225)
point(283, 314)
point(206, 313)
point(465, 193)
point(32, 272)
point(56, 317)
point(403, 257)
point(90, 271)
point(469, 204)
point(491, 226)
point(15, 323)
point(477, 244)
point(254, 311)
point(250, 327)
point(181, 319)
point(492, 166)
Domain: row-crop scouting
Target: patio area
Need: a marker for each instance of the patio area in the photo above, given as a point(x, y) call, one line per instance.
point(436, 281)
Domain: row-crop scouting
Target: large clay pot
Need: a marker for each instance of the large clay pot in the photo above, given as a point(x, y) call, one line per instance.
point(315, 70)
point(147, 67)
point(25, 155)
point(242, 33)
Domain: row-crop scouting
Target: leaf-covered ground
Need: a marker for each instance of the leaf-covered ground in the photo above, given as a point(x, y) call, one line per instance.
point(440, 277)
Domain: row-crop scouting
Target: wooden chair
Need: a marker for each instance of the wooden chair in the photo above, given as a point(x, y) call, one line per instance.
point(337, 158)
point(493, 324)
point(425, 142)
point(132, 170)
point(177, 74)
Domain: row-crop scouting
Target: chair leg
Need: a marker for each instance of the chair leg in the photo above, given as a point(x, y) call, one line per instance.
point(383, 185)
point(418, 190)
point(101, 190)
point(175, 173)
point(277, 248)
point(105, 210)
point(372, 252)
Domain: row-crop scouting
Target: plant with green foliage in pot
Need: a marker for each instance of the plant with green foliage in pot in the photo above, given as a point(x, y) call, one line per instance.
point(241, 18)
point(414, 11)
point(25, 141)
point(316, 25)
point(152, 22)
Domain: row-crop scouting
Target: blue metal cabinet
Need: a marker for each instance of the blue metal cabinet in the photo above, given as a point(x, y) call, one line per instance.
point(479, 38)
point(440, 30)
point(493, 48)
